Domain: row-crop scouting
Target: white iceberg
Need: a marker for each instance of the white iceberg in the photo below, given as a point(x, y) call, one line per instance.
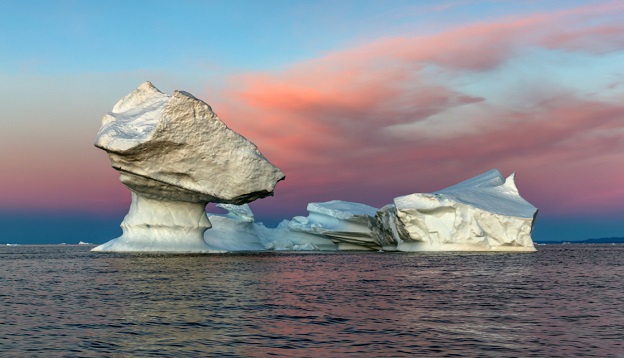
point(175, 155)
point(485, 213)
point(234, 231)
point(344, 223)
point(237, 231)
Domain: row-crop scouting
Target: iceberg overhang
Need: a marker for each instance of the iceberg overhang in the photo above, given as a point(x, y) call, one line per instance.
point(175, 155)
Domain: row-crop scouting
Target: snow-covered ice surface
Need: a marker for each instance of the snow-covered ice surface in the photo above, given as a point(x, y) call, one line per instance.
point(485, 213)
point(176, 155)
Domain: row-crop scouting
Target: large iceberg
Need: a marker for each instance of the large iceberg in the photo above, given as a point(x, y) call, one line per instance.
point(175, 155)
point(485, 213)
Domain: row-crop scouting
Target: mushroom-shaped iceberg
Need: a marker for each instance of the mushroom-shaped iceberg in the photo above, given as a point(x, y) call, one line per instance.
point(175, 155)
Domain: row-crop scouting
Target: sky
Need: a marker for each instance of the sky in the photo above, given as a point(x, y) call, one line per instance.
point(353, 100)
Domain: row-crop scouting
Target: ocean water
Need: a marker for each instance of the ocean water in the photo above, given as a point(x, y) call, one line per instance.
point(64, 301)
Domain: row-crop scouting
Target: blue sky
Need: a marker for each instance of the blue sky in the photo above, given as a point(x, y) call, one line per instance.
point(58, 37)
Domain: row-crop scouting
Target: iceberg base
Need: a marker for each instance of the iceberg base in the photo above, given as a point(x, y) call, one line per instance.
point(154, 225)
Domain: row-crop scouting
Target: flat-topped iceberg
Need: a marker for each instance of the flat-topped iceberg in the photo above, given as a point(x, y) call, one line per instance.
point(485, 213)
point(175, 155)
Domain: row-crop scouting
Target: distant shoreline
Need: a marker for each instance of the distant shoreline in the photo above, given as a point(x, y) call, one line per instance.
point(602, 240)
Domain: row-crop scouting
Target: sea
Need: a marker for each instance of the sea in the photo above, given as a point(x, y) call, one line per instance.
point(65, 301)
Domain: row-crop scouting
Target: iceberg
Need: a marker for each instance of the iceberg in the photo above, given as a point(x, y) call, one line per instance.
point(175, 155)
point(237, 231)
point(234, 231)
point(344, 223)
point(485, 213)
point(330, 226)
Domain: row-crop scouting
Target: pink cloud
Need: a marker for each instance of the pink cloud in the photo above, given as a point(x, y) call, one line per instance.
point(384, 119)
point(597, 39)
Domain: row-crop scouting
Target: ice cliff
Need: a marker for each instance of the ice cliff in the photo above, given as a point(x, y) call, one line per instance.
point(485, 213)
point(237, 231)
point(175, 155)
point(343, 223)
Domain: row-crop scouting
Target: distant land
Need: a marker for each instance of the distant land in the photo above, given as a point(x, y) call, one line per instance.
point(602, 240)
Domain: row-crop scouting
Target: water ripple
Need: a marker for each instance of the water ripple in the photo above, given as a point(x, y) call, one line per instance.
point(562, 301)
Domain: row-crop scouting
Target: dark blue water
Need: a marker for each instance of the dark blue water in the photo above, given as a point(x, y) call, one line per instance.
point(563, 301)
